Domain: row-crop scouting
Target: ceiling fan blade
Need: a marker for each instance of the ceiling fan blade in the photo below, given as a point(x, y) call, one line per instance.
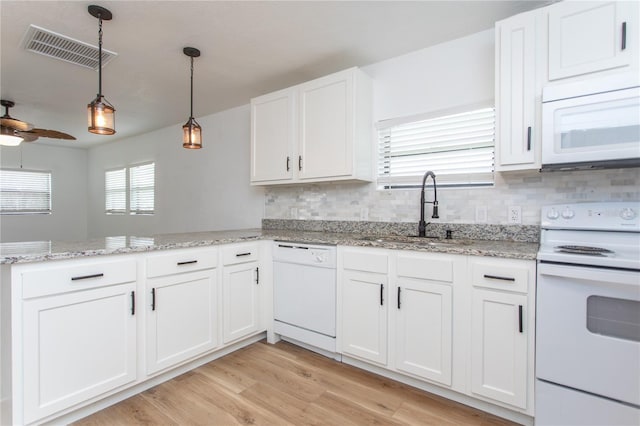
point(45, 133)
point(28, 136)
point(12, 123)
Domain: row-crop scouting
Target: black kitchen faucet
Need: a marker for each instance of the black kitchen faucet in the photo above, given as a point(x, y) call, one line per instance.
point(422, 225)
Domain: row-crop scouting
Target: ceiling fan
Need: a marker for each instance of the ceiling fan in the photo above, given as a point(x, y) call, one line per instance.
point(15, 131)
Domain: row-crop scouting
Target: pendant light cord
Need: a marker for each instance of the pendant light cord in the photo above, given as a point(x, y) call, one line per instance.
point(191, 114)
point(99, 56)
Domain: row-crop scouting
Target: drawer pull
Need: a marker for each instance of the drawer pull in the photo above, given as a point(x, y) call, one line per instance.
point(153, 299)
point(520, 327)
point(496, 277)
point(288, 161)
point(188, 262)
point(133, 303)
point(86, 277)
point(381, 294)
point(243, 254)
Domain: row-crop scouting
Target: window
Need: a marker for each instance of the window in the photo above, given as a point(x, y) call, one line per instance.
point(458, 148)
point(130, 189)
point(25, 192)
point(141, 189)
point(116, 191)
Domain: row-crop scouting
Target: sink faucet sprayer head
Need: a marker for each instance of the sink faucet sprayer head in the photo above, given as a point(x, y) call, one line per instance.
point(422, 225)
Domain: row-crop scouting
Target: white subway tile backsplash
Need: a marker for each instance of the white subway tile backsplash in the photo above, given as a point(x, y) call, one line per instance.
point(530, 190)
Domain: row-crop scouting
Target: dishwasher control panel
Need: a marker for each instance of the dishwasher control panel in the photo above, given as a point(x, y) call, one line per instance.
point(304, 254)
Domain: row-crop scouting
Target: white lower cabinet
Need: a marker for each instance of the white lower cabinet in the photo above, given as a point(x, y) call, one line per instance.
point(498, 347)
point(240, 291)
point(364, 315)
point(502, 330)
point(363, 287)
point(78, 335)
point(423, 320)
point(181, 318)
point(465, 323)
point(182, 306)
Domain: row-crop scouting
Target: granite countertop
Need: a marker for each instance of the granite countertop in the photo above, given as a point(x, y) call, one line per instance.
point(38, 251)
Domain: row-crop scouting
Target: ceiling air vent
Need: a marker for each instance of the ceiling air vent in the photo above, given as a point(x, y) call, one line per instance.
point(48, 43)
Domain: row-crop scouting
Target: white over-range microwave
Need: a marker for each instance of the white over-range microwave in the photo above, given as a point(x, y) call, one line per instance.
point(591, 124)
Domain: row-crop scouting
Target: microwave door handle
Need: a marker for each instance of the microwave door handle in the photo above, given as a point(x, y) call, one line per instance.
point(623, 44)
point(529, 138)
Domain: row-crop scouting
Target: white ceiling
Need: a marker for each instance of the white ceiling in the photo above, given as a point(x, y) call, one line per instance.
point(248, 49)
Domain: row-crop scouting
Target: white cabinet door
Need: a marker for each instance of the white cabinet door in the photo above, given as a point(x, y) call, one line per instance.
point(586, 37)
point(326, 126)
point(77, 346)
point(424, 329)
point(499, 346)
point(273, 130)
point(241, 300)
point(364, 315)
point(517, 133)
point(181, 318)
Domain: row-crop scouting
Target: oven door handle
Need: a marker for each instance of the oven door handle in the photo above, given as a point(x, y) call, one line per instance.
point(613, 277)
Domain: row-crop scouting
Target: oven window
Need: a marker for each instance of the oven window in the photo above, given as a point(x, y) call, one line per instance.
point(614, 317)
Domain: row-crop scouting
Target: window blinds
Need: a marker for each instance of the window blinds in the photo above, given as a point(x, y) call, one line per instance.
point(458, 148)
point(25, 192)
point(142, 189)
point(115, 191)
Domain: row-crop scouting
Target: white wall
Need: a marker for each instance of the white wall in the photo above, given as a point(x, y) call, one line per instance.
point(196, 190)
point(68, 219)
point(443, 77)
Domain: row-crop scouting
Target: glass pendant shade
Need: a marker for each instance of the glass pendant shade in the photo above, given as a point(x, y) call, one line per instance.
point(101, 114)
point(8, 137)
point(191, 135)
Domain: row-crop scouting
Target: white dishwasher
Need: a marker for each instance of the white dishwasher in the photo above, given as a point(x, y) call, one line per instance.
point(304, 294)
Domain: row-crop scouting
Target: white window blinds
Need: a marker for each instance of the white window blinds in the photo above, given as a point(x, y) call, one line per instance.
point(142, 188)
point(458, 148)
point(115, 182)
point(25, 192)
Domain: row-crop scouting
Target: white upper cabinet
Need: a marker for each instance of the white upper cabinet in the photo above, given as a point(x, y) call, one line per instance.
point(273, 130)
point(517, 129)
point(586, 37)
point(317, 131)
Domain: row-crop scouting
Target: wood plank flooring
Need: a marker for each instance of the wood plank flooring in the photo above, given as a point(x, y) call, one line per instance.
point(283, 384)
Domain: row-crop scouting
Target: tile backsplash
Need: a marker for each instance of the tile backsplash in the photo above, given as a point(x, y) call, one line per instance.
point(528, 190)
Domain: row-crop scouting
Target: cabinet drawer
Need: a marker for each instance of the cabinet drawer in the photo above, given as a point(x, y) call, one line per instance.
point(76, 275)
point(239, 253)
point(502, 274)
point(362, 260)
point(187, 260)
point(432, 267)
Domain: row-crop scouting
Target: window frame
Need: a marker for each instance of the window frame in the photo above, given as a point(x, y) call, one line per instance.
point(20, 212)
point(406, 179)
point(128, 191)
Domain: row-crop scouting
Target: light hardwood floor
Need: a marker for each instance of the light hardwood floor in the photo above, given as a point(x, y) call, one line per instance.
point(283, 384)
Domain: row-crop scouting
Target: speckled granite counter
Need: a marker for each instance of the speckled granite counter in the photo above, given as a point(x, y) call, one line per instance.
point(37, 251)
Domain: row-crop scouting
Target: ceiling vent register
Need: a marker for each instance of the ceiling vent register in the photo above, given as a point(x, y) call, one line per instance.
point(53, 45)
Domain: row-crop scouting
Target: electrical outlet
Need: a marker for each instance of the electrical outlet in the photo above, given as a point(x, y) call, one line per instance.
point(293, 213)
point(364, 213)
point(481, 214)
point(514, 214)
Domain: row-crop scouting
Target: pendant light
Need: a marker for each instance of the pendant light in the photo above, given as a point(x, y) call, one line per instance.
point(191, 131)
point(101, 112)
